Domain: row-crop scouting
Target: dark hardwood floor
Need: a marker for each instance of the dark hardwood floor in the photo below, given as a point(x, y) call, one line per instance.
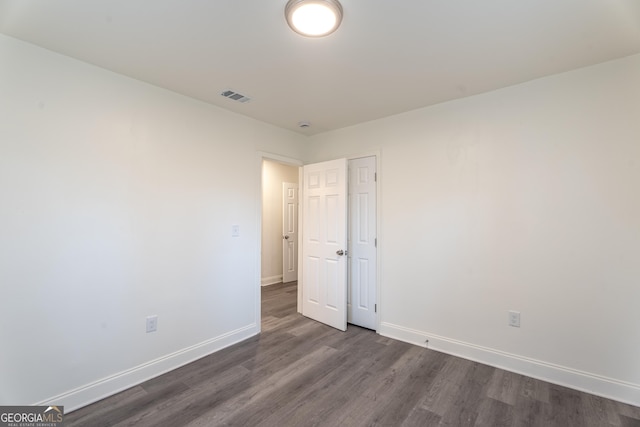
point(298, 372)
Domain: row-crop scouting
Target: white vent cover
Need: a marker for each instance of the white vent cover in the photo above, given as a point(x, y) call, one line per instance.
point(235, 96)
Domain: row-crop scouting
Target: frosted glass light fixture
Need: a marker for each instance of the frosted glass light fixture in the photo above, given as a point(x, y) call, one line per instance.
point(313, 18)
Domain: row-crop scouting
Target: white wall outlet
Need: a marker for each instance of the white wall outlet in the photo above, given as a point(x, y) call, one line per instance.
point(235, 231)
point(152, 323)
point(514, 318)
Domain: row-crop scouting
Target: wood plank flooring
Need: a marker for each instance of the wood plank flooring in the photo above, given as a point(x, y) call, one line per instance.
point(298, 372)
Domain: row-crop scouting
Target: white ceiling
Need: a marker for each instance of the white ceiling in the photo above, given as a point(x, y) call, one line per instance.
point(389, 56)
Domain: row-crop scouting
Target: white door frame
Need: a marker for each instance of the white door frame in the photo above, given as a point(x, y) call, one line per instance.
point(380, 241)
point(258, 280)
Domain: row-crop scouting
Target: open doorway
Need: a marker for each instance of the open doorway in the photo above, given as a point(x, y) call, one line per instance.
point(363, 292)
point(279, 223)
point(279, 240)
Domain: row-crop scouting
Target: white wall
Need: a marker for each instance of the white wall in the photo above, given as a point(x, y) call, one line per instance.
point(273, 175)
point(528, 199)
point(117, 201)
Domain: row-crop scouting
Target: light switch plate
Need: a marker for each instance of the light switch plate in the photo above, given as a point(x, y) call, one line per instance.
point(514, 318)
point(152, 323)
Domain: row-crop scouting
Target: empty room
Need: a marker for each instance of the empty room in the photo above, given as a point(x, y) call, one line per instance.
point(425, 213)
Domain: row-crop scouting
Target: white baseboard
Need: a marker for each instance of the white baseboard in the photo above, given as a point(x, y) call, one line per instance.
point(584, 381)
point(266, 281)
point(90, 393)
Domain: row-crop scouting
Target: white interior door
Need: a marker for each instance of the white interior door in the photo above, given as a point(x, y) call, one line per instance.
point(361, 302)
point(289, 232)
point(324, 243)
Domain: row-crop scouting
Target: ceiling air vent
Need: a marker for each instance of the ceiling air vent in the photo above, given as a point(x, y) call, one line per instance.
point(235, 96)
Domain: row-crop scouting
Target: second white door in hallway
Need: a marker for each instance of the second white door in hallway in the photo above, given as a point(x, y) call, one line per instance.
point(289, 232)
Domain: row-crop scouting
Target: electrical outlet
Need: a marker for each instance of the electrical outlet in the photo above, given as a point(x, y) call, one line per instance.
point(152, 323)
point(514, 318)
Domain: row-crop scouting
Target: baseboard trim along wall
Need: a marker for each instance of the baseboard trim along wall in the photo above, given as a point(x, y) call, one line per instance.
point(266, 281)
point(90, 393)
point(561, 375)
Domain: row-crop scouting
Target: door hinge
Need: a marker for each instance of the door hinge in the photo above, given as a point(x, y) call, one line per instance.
point(375, 308)
point(375, 242)
point(375, 177)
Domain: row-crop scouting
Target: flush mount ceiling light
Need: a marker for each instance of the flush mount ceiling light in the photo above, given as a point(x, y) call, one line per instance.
point(313, 18)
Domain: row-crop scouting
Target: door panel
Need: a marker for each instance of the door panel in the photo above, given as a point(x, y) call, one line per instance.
point(361, 305)
point(312, 279)
point(324, 272)
point(362, 284)
point(333, 291)
point(289, 232)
